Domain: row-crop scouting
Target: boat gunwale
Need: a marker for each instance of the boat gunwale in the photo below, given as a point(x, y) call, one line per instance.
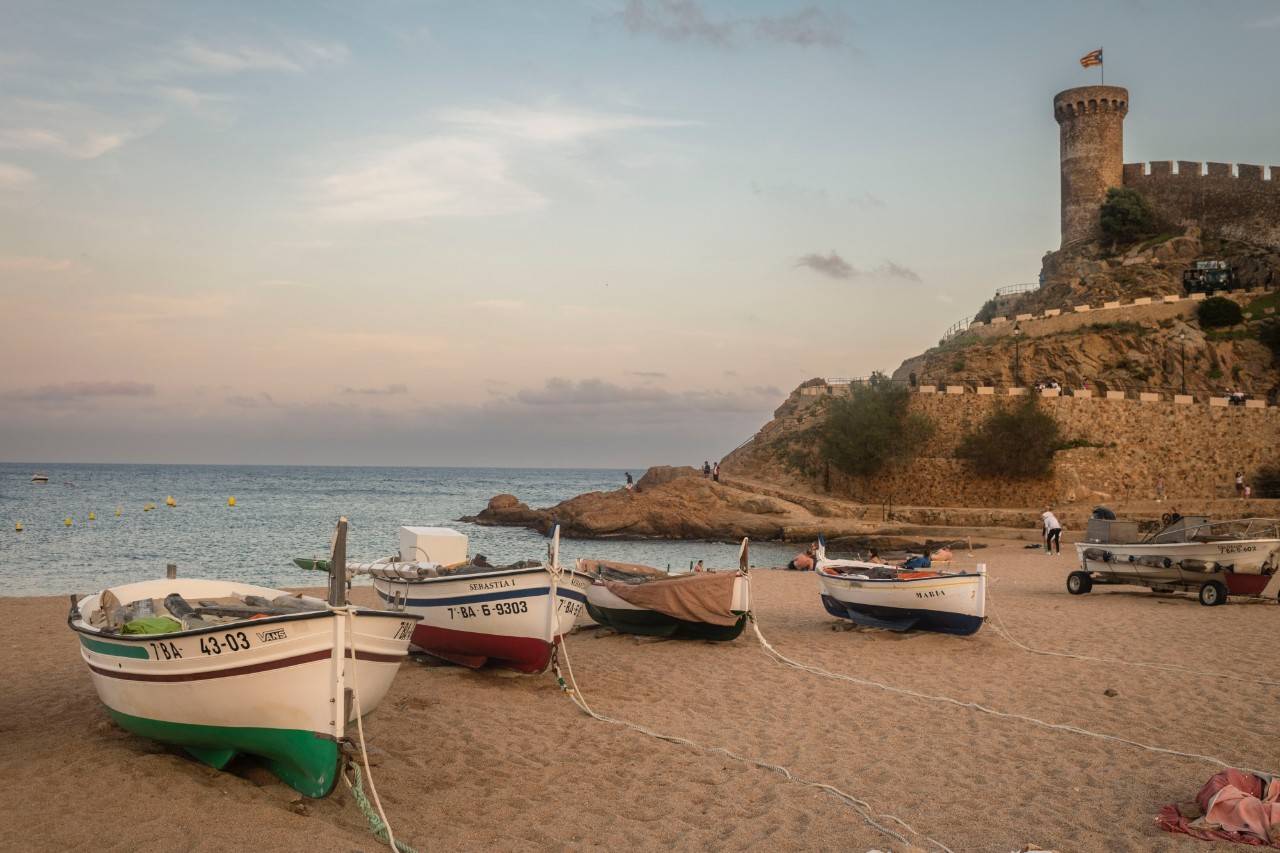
point(97, 633)
point(475, 575)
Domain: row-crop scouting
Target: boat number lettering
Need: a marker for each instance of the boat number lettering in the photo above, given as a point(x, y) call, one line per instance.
point(228, 642)
point(502, 608)
point(568, 605)
point(406, 628)
point(932, 593)
point(269, 636)
point(164, 650)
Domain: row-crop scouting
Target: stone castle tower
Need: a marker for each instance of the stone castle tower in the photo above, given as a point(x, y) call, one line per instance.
point(1091, 129)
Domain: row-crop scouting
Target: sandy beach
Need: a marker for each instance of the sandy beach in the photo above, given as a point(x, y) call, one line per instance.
point(487, 760)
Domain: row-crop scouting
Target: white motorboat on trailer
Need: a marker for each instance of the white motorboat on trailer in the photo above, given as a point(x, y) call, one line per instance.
point(879, 595)
point(220, 668)
point(476, 614)
point(1214, 558)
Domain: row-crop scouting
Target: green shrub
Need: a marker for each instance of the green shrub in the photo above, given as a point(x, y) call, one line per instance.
point(872, 428)
point(1266, 482)
point(1016, 441)
point(986, 312)
point(1269, 335)
point(1218, 312)
point(1126, 217)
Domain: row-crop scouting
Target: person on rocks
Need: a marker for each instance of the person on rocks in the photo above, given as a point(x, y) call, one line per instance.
point(715, 472)
point(706, 469)
point(1239, 484)
point(1052, 532)
point(631, 484)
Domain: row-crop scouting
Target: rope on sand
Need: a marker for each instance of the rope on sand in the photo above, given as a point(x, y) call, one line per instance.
point(863, 808)
point(947, 700)
point(1167, 667)
point(378, 823)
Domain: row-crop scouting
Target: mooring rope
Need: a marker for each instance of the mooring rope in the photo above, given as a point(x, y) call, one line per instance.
point(960, 703)
point(1003, 631)
point(382, 827)
point(863, 808)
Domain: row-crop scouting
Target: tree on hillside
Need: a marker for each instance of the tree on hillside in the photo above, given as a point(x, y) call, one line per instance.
point(1015, 441)
point(872, 428)
point(1126, 217)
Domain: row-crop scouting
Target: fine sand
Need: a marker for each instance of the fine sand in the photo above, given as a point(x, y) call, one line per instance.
point(486, 760)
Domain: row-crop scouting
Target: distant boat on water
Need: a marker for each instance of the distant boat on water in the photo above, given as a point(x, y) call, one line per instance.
point(39, 478)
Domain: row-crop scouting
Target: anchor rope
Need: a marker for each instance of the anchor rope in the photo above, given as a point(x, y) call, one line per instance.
point(861, 807)
point(382, 827)
point(974, 706)
point(1003, 631)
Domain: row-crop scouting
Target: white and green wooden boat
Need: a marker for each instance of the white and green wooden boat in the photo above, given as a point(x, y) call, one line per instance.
point(278, 683)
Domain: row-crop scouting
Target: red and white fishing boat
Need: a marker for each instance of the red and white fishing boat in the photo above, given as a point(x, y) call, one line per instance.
point(477, 614)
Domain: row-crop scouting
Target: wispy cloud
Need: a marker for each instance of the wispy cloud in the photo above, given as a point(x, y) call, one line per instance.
point(88, 146)
point(14, 176)
point(551, 125)
point(893, 270)
point(69, 392)
point(647, 374)
point(190, 56)
point(34, 264)
point(831, 265)
point(602, 395)
point(686, 21)
point(467, 170)
point(441, 176)
point(499, 304)
point(382, 391)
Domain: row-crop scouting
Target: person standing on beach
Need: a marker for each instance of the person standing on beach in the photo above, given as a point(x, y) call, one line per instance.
point(1052, 532)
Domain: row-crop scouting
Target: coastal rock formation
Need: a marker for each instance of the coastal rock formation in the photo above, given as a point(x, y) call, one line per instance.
point(679, 506)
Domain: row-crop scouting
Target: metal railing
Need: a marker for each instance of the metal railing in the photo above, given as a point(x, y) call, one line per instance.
point(959, 327)
point(1015, 289)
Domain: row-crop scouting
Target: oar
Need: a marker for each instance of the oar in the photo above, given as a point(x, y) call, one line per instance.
point(744, 561)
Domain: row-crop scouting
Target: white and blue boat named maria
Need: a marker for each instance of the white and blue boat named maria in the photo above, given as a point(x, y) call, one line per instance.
point(879, 595)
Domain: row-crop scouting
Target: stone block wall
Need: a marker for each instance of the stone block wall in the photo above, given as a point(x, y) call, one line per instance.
point(1240, 202)
point(1196, 449)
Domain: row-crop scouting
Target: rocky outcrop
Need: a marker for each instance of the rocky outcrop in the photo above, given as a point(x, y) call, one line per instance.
point(660, 474)
point(685, 507)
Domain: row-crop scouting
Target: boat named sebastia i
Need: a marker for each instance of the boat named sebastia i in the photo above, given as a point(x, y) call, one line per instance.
point(474, 613)
point(635, 599)
point(900, 598)
point(220, 668)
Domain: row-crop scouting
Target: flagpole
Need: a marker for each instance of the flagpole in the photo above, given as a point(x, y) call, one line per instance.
point(1102, 65)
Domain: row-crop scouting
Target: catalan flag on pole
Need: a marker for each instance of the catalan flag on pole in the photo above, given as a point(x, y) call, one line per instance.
point(1092, 58)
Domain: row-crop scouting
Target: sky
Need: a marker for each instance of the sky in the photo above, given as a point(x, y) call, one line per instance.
point(603, 233)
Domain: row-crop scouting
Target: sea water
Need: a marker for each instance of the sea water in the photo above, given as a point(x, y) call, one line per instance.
point(282, 512)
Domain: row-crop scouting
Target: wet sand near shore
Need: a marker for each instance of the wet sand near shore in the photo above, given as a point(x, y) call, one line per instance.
point(487, 760)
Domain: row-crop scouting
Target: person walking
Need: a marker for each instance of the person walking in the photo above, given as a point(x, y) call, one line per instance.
point(1052, 532)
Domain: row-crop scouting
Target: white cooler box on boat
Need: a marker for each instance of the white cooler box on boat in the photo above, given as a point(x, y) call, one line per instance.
point(432, 545)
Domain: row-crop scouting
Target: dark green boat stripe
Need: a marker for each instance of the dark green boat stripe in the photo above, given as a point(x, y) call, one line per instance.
point(120, 651)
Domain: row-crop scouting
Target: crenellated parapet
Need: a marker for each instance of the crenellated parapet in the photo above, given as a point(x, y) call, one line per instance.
point(1193, 170)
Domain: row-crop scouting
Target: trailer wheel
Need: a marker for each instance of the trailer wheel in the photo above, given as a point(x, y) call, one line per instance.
point(1078, 583)
point(1212, 594)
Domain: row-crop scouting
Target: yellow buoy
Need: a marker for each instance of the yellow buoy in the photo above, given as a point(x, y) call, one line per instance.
point(119, 510)
point(231, 501)
point(169, 501)
point(93, 517)
point(148, 507)
point(18, 527)
point(67, 521)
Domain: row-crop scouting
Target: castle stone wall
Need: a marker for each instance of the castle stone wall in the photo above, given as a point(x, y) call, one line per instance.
point(1238, 202)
